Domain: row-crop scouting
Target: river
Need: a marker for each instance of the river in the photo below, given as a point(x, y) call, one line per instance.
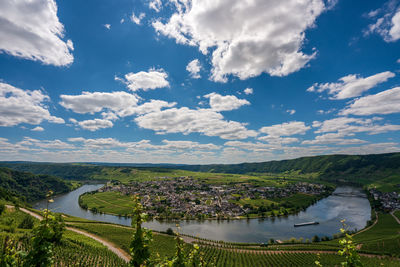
point(346, 203)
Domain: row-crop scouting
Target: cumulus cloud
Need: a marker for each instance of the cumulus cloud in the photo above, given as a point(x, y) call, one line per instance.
point(38, 129)
point(153, 79)
point(186, 121)
point(30, 29)
point(247, 37)
point(351, 85)
point(194, 67)
point(23, 106)
point(386, 102)
point(286, 129)
point(137, 19)
point(333, 138)
point(88, 102)
point(277, 140)
point(156, 5)
point(248, 91)
point(93, 125)
point(347, 126)
point(387, 21)
point(225, 103)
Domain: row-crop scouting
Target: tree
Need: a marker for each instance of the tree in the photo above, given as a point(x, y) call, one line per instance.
point(140, 250)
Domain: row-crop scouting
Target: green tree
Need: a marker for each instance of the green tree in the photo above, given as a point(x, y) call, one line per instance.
point(140, 250)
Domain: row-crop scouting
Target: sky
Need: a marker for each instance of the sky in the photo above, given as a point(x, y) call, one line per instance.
point(198, 81)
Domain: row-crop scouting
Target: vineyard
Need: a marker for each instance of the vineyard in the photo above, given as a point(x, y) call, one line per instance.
point(223, 257)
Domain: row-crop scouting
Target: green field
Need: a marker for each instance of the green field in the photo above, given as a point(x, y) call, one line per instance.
point(384, 237)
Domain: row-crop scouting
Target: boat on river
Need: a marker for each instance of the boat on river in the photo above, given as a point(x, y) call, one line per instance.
point(305, 224)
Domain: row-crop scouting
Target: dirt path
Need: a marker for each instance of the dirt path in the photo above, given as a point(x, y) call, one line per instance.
point(119, 252)
point(395, 217)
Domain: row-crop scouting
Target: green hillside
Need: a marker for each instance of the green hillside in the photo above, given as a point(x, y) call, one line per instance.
point(29, 187)
point(381, 170)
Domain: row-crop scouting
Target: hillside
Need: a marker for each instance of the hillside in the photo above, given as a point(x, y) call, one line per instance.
point(356, 168)
point(27, 186)
point(375, 169)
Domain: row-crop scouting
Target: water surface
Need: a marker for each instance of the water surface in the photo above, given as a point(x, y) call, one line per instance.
point(352, 206)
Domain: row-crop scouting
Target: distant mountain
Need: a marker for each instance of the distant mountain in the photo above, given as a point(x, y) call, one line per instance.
point(360, 168)
point(29, 187)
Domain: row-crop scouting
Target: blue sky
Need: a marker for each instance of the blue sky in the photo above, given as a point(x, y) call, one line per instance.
point(198, 81)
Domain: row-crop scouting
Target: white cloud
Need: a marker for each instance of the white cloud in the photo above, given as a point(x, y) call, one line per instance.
point(225, 103)
point(247, 37)
point(387, 22)
point(348, 126)
point(94, 102)
point(194, 68)
point(137, 19)
point(155, 5)
point(248, 91)
point(93, 125)
point(351, 85)
point(187, 145)
point(153, 79)
point(258, 147)
point(277, 140)
point(286, 129)
point(186, 121)
point(291, 111)
point(108, 26)
point(37, 129)
point(333, 138)
point(23, 106)
point(386, 102)
point(369, 149)
point(30, 29)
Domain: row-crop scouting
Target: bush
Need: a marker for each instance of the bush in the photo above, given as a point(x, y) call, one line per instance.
point(315, 238)
point(170, 231)
point(27, 222)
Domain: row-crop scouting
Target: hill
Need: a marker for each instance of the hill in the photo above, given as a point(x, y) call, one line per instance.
point(382, 170)
point(29, 187)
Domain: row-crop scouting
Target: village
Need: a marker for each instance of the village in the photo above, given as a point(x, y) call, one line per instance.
point(389, 201)
point(187, 198)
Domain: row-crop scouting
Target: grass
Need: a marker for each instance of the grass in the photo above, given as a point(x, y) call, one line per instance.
point(108, 202)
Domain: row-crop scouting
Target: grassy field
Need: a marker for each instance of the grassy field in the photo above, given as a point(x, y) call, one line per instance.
point(108, 202)
point(384, 237)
